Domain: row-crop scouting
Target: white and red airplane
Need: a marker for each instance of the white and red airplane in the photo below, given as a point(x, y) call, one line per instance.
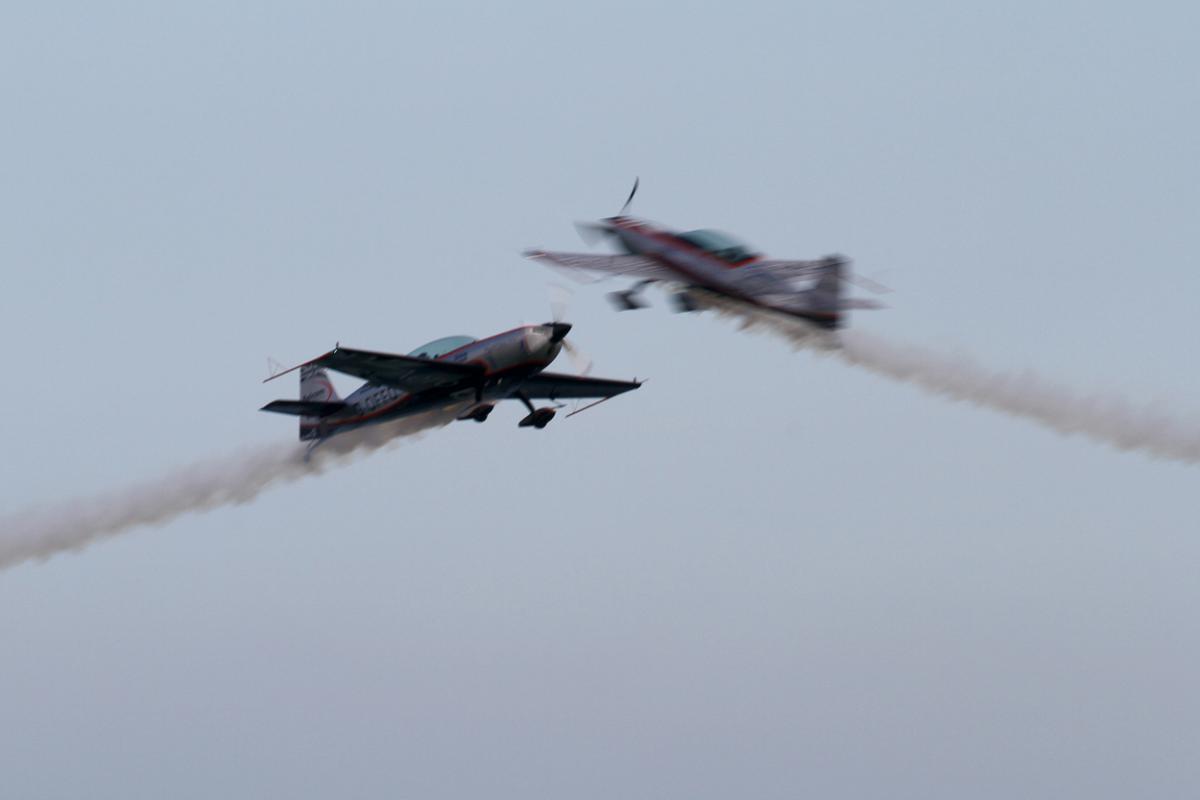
point(695, 263)
point(455, 372)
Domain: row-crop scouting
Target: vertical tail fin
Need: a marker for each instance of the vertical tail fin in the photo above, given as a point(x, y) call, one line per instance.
point(827, 291)
point(315, 385)
point(825, 302)
point(824, 299)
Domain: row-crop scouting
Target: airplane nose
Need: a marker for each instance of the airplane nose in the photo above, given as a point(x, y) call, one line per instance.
point(558, 331)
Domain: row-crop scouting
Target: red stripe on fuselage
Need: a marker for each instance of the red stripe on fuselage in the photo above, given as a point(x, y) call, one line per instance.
point(477, 342)
point(671, 239)
point(407, 396)
point(661, 236)
point(666, 237)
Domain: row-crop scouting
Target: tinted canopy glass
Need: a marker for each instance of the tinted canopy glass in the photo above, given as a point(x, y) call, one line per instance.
point(719, 244)
point(441, 346)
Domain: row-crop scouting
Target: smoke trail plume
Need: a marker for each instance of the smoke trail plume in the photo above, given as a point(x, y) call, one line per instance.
point(1106, 418)
point(40, 533)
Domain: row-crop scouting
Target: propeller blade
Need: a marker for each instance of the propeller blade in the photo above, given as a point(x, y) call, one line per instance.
point(629, 199)
point(560, 300)
point(583, 364)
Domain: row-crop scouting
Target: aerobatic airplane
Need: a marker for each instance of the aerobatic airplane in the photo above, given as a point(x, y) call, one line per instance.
point(696, 263)
point(457, 370)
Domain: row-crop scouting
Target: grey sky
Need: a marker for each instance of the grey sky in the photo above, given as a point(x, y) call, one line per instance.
point(763, 574)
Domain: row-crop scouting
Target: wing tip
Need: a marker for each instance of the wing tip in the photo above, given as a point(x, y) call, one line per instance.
point(319, 358)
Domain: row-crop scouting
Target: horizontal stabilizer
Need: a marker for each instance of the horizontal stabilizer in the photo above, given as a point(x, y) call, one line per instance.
point(304, 408)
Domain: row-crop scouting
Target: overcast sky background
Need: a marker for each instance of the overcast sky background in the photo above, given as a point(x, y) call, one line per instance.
point(764, 574)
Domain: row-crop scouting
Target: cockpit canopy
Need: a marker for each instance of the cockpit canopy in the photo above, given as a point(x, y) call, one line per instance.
point(721, 245)
point(439, 347)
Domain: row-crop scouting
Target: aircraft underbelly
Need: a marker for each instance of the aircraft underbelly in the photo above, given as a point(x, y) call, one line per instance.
point(404, 406)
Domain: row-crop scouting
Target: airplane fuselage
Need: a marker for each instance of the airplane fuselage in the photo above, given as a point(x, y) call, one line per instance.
point(507, 358)
point(740, 280)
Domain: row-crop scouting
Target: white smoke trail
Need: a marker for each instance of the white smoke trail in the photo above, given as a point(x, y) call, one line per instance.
point(40, 533)
point(1106, 418)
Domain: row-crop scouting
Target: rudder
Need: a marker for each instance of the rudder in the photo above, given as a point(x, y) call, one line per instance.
point(315, 386)
point(827, 291)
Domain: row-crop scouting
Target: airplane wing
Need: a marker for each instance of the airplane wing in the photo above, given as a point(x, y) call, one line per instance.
point(403, 372)
point(552, 386)
point(407, 373)
point(628, 266)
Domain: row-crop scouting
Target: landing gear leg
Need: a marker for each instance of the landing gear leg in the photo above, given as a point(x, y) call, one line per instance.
point(478, 413)
point(684, 302)
point(630, 299)
point(538, 417)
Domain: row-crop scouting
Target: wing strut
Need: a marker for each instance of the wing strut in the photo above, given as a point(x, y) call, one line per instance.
point(593, 405)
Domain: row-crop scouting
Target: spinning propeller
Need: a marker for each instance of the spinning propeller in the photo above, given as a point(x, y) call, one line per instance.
point(593, 232)
point(560, 300)
point(629, 199)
